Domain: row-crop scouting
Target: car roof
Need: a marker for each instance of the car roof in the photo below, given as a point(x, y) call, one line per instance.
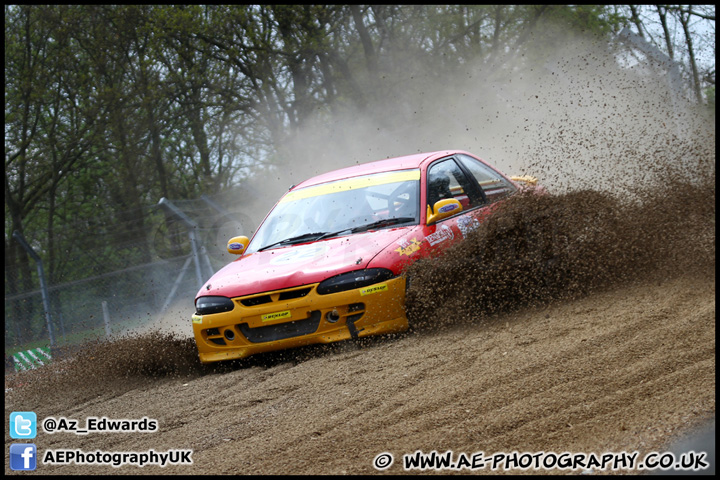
point(397, 163)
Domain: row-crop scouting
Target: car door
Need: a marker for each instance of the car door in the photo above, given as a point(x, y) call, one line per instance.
point(477, 186)
point(446, 178)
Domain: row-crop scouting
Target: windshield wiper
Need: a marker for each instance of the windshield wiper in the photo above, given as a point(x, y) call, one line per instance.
point(296, 239)
point(382, 223)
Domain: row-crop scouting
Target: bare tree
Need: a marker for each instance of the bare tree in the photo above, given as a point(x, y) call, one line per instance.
point(662, 13)
point(684, 16)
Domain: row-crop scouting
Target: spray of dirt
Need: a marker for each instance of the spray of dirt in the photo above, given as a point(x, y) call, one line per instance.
point(538, 249)
point(107, 368)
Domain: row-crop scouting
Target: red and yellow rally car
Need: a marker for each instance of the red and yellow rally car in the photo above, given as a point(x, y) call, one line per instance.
point(326, 263)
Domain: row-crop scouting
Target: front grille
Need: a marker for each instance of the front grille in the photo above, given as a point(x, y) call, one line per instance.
point(290, 294)
point(252, 301)
point(280, 331)
point(268, 298)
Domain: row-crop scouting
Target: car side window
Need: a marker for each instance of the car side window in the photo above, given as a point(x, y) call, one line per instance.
point(493, 184)
point(447, 180)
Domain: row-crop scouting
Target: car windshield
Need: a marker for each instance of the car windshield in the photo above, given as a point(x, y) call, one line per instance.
point(342, 207)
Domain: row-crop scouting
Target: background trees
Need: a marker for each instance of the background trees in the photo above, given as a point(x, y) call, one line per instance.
point(109, 108)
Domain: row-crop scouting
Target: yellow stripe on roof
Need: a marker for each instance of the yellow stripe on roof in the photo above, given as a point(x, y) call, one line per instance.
point(352, 183)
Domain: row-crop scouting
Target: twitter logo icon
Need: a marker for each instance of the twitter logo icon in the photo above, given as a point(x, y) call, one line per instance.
point(23, 425)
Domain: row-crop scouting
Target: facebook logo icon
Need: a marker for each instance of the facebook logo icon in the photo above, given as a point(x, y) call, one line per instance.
point(23, 424)
point(23, 456)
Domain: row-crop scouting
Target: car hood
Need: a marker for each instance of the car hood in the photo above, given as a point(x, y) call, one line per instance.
point(297, 265)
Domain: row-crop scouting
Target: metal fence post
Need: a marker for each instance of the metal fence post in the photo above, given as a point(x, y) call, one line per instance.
point(192, 227)
point(43, 287)
point(106, 319)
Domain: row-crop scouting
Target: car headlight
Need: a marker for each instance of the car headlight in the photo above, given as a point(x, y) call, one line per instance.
point(206, 305)
point(356, 279)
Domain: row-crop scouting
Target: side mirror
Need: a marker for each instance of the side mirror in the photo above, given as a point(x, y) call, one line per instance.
point(237, 245)
point(443, 209)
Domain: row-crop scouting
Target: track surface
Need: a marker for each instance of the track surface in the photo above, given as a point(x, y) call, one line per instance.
point(625, 369)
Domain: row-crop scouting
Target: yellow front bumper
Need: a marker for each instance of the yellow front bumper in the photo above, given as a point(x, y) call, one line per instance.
point(299, 316)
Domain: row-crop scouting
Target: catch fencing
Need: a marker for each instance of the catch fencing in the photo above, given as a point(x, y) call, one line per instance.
point(166, 265)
